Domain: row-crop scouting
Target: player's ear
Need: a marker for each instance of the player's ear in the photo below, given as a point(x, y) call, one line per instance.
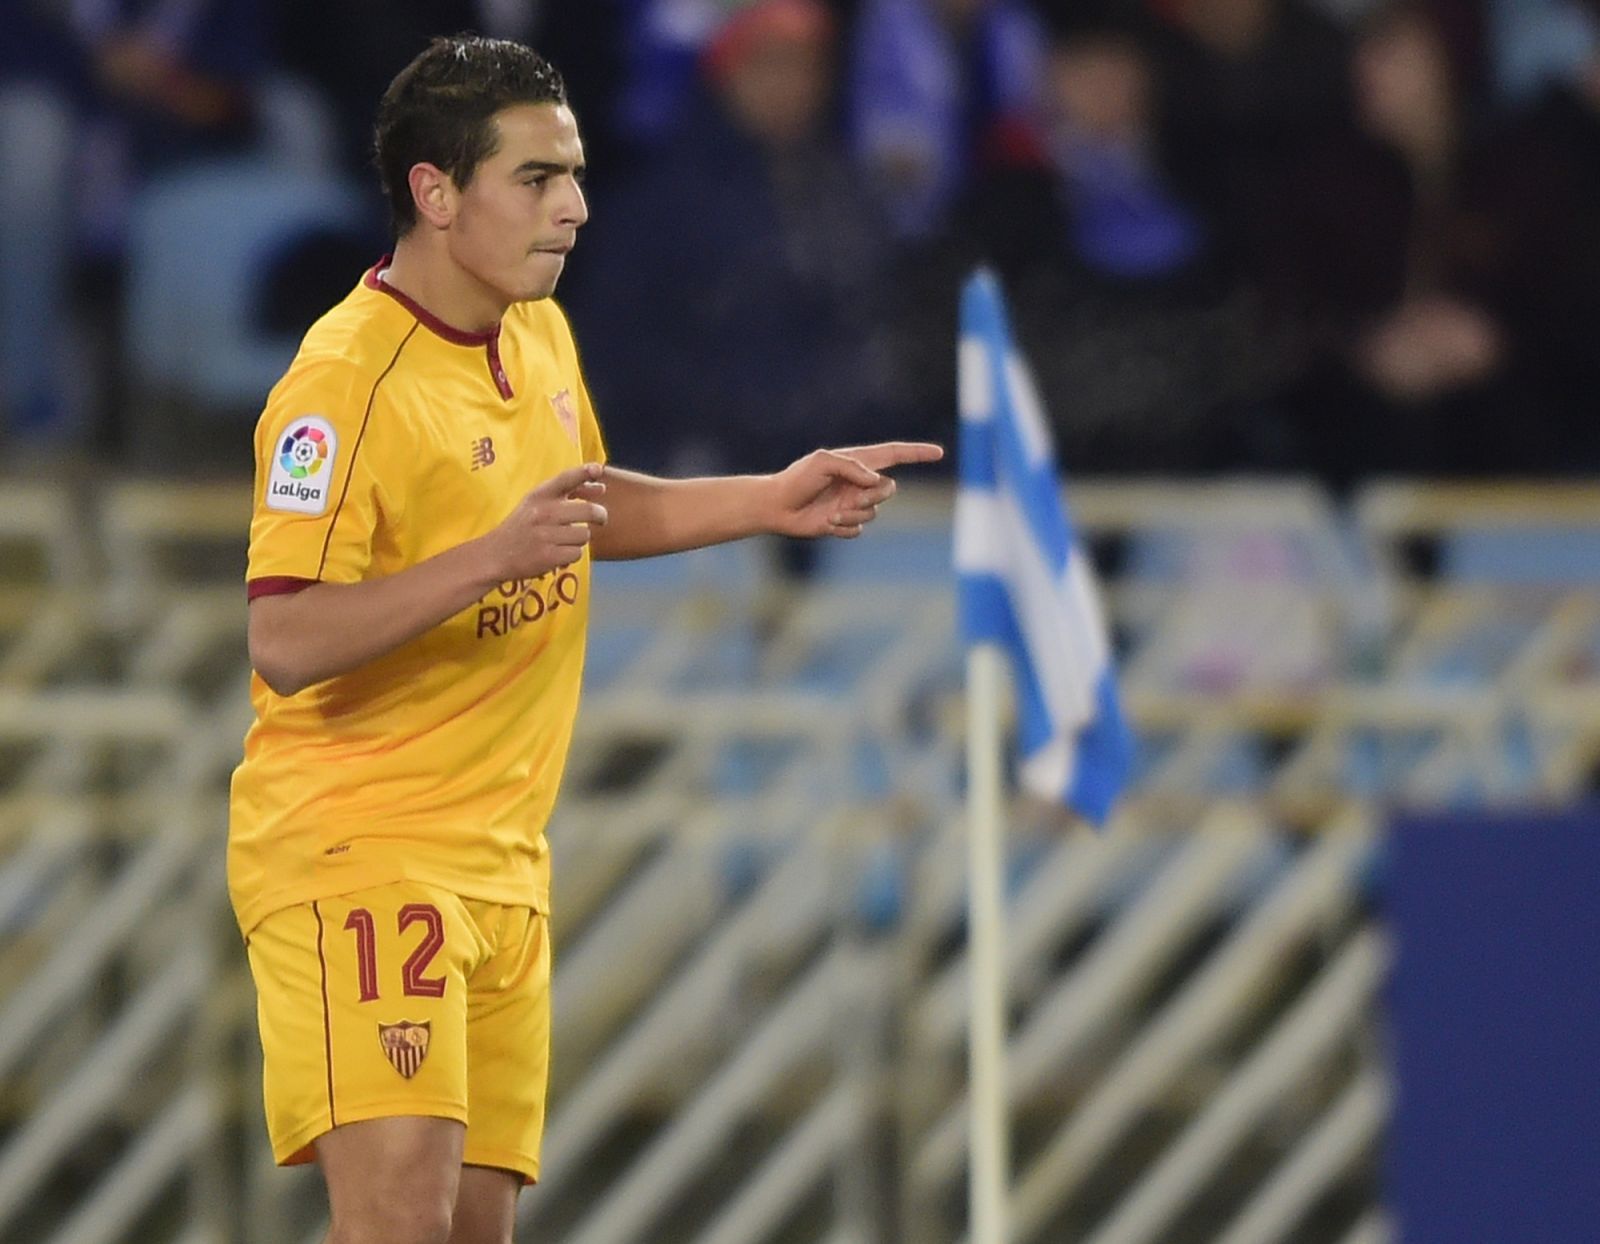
point(434, 194)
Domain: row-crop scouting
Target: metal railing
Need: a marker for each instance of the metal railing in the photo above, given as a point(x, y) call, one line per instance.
point(760, 1002)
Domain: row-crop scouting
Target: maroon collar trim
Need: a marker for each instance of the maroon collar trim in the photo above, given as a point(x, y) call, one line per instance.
point(423, 316)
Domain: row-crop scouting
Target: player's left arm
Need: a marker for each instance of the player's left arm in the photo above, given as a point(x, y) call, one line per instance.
point(830, 492)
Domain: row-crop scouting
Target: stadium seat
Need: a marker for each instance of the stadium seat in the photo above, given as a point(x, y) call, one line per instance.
point(895, 553)
point(1549, 555)
point(193, 312)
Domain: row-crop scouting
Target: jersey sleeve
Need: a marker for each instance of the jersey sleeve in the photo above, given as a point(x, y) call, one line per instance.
point(319, 502)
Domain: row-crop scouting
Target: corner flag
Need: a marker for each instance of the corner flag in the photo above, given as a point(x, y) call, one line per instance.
point(1025, 583)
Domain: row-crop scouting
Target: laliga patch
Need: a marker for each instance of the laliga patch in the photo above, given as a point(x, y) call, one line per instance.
point(301, 477)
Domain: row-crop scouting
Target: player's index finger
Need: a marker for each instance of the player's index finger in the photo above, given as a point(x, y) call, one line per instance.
point(573, 477)
point(896, 453)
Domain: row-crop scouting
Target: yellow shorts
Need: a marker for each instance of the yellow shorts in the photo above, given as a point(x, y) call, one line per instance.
point(405, 999)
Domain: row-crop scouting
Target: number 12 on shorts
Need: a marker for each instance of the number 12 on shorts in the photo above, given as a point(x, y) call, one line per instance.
point(414, 982)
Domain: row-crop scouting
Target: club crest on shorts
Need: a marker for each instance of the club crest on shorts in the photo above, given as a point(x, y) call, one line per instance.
point(405, 1045)
point(566, 411)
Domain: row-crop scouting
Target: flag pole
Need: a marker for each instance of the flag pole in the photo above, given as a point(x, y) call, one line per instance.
point(989, 1158)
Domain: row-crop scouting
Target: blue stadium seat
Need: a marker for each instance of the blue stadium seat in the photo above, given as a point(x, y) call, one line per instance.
point(890, 554)
point(1522, 555)
point(1475, 655)
point(200, 244)
point(731, 568)
point(841, 661)
point(1159, 556)
point(611, 649)
point(748, 767)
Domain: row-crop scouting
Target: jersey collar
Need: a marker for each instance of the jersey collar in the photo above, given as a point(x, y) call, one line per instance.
point(423, 316)
point(490, 341)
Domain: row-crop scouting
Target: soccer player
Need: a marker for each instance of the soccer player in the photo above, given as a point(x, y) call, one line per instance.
point(431, 489)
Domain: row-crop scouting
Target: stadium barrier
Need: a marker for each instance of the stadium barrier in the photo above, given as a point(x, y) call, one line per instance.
point(759, 1004)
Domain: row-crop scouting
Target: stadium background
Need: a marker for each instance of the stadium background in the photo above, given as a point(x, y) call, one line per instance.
point(1312, 291)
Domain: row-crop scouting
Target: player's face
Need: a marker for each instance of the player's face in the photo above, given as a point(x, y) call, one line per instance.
point(521, 212)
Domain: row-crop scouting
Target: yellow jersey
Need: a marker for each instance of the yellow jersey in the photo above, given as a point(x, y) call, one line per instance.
point(391, 438)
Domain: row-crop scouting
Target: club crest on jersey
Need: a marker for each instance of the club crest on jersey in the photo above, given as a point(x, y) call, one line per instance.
point(405, 1044)
point(300, 474)
point(567, 411)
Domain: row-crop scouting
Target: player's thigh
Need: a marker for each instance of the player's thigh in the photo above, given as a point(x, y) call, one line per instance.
point(508, 1042)
point(392, 1179)
point(363, 1009)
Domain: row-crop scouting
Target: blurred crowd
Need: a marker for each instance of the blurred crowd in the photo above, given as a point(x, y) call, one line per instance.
point(1342, 237)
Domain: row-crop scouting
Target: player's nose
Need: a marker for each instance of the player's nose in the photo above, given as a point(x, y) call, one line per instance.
point(574, 208)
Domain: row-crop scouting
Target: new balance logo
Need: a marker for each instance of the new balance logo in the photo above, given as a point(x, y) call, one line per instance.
point(482, 453)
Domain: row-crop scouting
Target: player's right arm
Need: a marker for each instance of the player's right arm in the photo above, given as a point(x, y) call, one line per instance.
point(321, 630)
point(332, 484)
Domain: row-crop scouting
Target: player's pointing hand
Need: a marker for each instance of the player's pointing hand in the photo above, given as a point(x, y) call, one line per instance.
point(550, 526)
point(836, 492)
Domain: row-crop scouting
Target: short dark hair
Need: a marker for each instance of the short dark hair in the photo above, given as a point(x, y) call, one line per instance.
point(440, 110)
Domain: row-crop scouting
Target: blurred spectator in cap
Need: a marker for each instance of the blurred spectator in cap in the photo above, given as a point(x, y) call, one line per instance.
point(938, 88)
point(732, 289)
point(772, 64)
point(662, 41)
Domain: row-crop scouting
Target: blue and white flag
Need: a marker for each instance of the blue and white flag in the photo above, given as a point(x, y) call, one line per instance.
point(1025, 582)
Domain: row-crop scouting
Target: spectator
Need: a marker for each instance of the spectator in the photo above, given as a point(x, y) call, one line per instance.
point(1246, 84)
point(1140, 340)
point(731, 293)
point(937, 87)
point(175, 78)
point(41, 88)
point(100, 94)
point(1125, 218)
point(1533, 204)
point(1429, 269)
point(349, 49)
point(662, 41)
point(588, 43)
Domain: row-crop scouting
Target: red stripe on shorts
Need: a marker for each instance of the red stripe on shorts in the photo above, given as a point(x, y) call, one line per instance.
point(327, 1020)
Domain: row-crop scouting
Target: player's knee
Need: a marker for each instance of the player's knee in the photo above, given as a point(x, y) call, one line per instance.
point(411, 1219)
